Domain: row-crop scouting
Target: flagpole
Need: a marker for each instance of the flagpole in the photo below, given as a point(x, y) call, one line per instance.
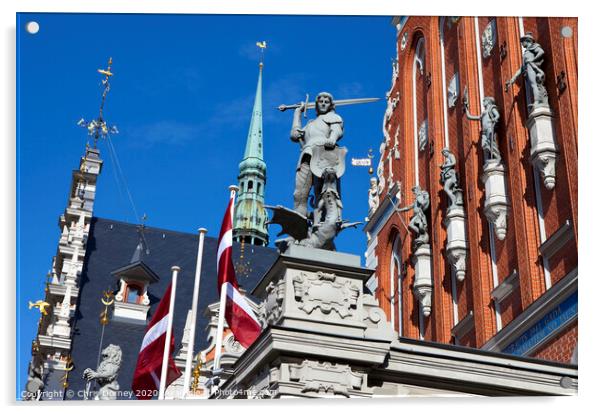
point(195, 301)
point(172, 299)
point(220, 328)
point(222, 299)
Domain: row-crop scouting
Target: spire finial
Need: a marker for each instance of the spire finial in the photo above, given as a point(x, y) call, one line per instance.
point(98, 127)
point(262, 46)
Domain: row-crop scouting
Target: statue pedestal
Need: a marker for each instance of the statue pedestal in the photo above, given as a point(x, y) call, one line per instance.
point(543, 147)
point(319, 291)
point(321, 331)
point(496, 202)
point(456, 240)
point(423, 282)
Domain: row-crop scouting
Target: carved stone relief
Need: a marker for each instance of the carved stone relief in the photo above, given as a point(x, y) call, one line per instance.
point(232, 346)
point(326, 378)
point(324, 292)
point(488, 38)
point(404, 41)
point(271, 308)
point(423, 135)
point(452, 91)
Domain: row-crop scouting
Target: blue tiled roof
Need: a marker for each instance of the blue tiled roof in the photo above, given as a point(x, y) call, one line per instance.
point(110, 246)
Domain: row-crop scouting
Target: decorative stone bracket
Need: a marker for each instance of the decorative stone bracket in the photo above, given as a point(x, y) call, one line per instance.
point(423, 282)
point(496, 201)
point(543, 147)
point(456, 247)
point(324, 292)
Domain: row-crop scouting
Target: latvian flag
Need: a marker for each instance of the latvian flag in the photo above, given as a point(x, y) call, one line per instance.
point(239, 315)
point(147, 376)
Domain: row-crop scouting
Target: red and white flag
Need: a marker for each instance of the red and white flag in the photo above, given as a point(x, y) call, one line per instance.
point(240, 316)
point(147, 376)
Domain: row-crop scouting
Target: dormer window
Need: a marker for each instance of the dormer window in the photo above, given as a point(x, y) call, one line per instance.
point(133, 293)
point(131, 301)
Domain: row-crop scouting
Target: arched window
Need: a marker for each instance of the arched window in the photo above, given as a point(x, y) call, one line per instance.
point(250, 185)
point(395, 283)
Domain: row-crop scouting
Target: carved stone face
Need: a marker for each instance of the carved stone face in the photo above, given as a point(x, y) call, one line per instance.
point(526, 43)
point(323, 104)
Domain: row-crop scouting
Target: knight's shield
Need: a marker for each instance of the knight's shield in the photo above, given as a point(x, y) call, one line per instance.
point(322, 159)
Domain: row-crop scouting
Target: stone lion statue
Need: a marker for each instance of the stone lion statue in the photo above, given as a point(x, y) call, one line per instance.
point(106, 373)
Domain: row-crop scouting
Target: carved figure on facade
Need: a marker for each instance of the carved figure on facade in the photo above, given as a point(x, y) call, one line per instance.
point(391, 105)
point(453, 91)
point(106, 374)
point(419, 223)
point(380, 169)
point(532, 69)
point(373, 199)
point(456, 246)
point(395, 151)
point(449, 179)
point(489, 118)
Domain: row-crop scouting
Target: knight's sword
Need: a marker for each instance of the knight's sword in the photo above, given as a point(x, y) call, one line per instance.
point(339, 102)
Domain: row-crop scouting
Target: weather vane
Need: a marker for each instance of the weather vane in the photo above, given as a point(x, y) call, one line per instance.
point(262, 46)
point(98, 128)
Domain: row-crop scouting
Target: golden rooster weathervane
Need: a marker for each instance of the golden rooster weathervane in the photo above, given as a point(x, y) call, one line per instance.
point(262, 46)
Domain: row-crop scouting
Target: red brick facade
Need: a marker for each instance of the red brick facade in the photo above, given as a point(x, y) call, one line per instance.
point(431, 50)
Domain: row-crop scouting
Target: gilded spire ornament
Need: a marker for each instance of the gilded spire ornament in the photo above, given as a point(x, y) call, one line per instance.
point(40, 305)
point(98, 127)
point(68, 368)
point(107, 300)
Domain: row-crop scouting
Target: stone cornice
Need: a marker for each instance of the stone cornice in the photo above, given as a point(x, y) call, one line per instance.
point(421, 363)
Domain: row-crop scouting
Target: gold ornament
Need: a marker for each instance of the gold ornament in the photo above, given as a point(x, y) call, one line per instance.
point(41, 305)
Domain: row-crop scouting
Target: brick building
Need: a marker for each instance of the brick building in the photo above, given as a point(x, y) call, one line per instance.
point(501, 274)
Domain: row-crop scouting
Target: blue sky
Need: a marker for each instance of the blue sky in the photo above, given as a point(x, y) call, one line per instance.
point(182, 97)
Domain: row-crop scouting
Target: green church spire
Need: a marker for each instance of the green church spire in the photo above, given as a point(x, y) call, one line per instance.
point(254, 147)
point(250, 217)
